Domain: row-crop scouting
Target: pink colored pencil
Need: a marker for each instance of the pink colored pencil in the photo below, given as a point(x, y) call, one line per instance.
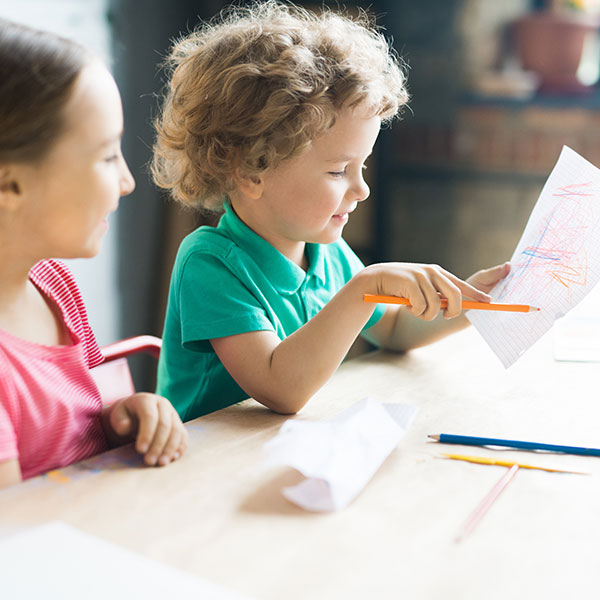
point(485, 504)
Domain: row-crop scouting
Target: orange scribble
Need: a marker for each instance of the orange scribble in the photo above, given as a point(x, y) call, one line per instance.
point(57, 476)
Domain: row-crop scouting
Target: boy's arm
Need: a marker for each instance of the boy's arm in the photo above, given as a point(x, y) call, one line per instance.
point(400, 331)
point(284, 374)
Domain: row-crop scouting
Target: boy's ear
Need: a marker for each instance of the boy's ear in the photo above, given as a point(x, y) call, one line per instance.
point(250, 185)
point(10, 190)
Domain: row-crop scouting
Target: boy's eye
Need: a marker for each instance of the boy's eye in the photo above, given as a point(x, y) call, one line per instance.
point(337, 173)
point(112, 158)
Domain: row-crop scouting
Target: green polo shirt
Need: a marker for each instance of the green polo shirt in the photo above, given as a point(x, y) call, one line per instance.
point(228, 280)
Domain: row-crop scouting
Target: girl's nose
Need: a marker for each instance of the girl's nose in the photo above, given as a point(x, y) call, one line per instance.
point(127, 181)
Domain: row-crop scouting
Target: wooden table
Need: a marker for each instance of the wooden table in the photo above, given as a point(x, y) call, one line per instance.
point(218, 513)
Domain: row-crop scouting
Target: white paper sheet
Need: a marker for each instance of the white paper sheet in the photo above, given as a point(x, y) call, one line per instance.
point(58, 562)
point(340, 456)
point(556, 262)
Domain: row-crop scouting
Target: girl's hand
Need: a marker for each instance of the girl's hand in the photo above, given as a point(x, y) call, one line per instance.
point(154, 424)
point(486, 279)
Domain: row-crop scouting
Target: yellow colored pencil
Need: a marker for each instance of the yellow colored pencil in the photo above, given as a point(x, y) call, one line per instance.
point(485, 460)
point(466, 304)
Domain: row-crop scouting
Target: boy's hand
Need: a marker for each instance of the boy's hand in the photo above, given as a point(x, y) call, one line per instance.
point(424, 285)
point(486, 279)
point(154, 424)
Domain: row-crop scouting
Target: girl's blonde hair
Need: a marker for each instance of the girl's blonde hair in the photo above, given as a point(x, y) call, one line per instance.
point(257, 87)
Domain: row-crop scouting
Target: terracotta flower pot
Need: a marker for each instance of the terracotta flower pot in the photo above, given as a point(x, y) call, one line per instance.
point(551, 45)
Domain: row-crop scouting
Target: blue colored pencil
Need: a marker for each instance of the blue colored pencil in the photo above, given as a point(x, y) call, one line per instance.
point(467, 440)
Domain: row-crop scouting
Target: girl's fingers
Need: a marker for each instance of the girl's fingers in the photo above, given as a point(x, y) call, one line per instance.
point(173, 445)
point(148, 416)
point(183, 445)
point(162, 431)
point(161, 436)
point(121, 421)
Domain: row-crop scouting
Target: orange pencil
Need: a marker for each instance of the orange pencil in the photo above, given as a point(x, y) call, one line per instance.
point(467, 304)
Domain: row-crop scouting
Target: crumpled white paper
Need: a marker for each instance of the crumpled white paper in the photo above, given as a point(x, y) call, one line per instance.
point(338, 457)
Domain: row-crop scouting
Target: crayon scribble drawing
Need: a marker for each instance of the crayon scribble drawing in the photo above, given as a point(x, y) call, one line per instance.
point(556, 262)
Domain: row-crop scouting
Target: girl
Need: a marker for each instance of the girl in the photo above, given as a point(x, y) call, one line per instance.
point(270, 116)
point(61, 174)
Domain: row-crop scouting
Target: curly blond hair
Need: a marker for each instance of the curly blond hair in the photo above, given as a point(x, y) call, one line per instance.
point(257, 86)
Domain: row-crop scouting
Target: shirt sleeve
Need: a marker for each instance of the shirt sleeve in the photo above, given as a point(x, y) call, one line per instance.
point(8, 436)
point(214, 302)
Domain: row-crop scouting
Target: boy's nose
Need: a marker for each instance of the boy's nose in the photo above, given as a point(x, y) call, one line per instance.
point(361, 190)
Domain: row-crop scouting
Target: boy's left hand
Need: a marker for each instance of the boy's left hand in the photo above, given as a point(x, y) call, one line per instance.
point(486, 279)
point(154, 424)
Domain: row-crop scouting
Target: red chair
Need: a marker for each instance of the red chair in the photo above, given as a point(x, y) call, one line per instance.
point(113, 376)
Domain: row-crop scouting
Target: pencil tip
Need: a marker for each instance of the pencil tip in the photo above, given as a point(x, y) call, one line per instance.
point(434, 436)
point(534, 308)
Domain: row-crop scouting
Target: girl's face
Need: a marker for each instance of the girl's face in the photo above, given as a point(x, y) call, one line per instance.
point(309, 198)
point(68, 196)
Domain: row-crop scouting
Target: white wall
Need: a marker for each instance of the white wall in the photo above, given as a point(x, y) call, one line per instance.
point(86, 22)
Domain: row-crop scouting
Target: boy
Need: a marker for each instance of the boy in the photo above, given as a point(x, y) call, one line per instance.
point(271, 115)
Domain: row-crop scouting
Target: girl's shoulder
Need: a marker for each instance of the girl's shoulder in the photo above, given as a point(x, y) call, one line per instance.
point(56, 280)
point(54, 277)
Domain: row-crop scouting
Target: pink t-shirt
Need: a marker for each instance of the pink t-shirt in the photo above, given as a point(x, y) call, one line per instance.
point(49, 404)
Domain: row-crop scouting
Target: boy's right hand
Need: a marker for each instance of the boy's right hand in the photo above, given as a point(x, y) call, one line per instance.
point(154, 424)
point(423, 285)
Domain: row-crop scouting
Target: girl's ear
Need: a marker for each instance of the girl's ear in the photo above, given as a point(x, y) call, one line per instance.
point(250, 185)
point(10, 190)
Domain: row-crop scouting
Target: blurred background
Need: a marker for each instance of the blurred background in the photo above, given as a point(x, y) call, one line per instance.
point(497, 88)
